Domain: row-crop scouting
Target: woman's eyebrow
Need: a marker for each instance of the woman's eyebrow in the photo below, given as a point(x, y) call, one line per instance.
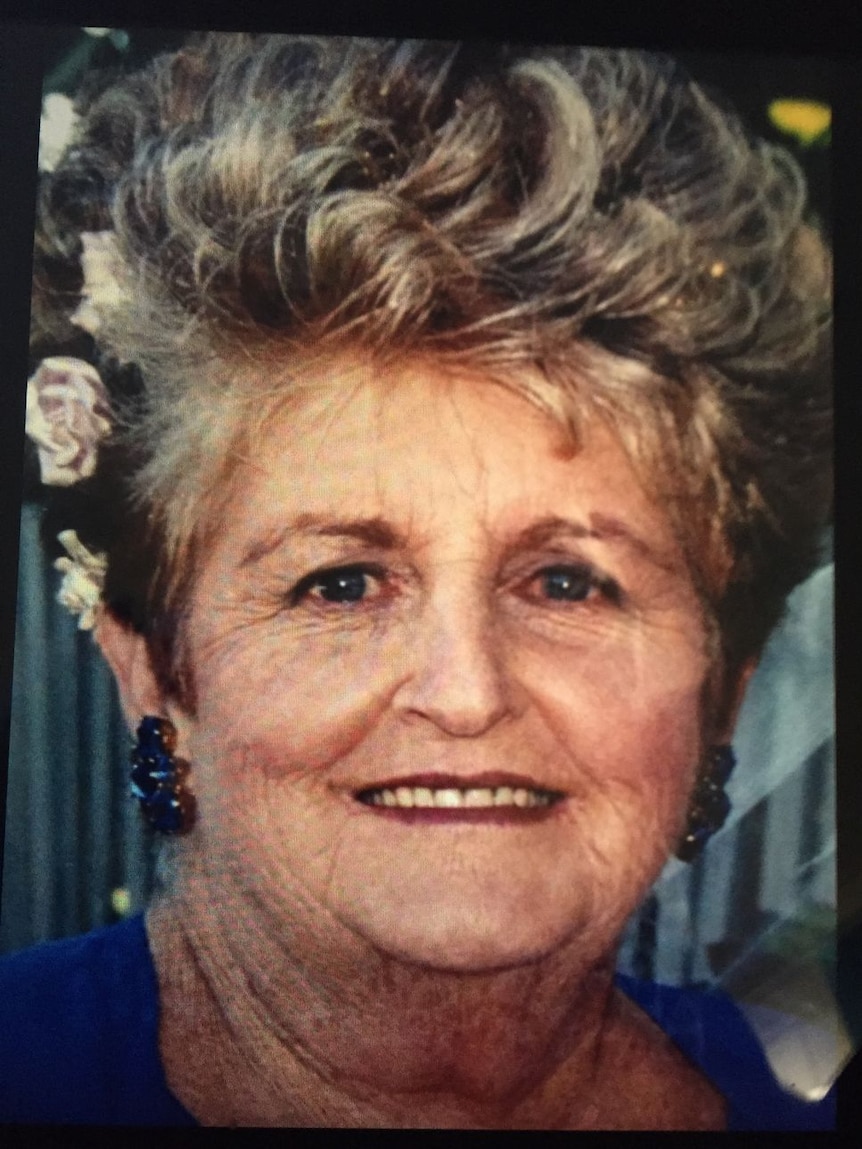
point(378, 532)
point(602, 527)
point(375, 531)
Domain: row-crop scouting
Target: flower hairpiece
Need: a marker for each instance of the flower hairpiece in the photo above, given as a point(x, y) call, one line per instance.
point(67, 417)
point(56, 129)
point(83, 579)
point(102, 290)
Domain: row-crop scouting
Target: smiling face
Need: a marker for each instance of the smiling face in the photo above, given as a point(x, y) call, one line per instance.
point(450, 675)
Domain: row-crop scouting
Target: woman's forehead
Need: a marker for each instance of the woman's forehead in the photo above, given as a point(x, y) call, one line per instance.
point(413, 444)
point(362, 421)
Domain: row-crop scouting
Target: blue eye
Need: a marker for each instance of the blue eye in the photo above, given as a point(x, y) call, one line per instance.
point(340, 585)
point(567, 584)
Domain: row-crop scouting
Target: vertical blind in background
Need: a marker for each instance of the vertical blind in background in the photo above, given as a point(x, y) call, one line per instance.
point(73, 837)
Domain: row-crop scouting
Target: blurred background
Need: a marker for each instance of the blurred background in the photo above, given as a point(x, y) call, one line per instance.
point(756, 915)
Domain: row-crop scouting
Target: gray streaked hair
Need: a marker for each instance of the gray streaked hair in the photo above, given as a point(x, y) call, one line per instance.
point(583, 225)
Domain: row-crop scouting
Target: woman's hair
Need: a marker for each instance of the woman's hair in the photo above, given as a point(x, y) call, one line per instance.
point(586, 226)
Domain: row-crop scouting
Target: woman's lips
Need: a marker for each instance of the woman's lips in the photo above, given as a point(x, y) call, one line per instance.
point(485, 797)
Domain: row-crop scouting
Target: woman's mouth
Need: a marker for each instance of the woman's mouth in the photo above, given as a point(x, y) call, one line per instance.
point(460, 798)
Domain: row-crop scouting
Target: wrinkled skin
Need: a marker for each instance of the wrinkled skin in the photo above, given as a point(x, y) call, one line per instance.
point(418, 575)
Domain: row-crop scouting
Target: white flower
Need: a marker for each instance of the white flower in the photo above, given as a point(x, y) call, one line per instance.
point(83, 578)
point(56, 129)
point(102, 267)
point(67, 415)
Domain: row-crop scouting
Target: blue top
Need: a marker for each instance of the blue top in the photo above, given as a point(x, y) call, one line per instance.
point(79, 1040)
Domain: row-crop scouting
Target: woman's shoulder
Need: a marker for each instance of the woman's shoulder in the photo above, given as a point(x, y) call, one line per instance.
point(713, 1033)
point(75, 955)
point(79, 1031)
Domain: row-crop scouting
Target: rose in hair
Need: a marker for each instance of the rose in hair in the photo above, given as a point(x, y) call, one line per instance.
point(102, 290)
point(56, 128)
point(68, 414)
point(83, 579)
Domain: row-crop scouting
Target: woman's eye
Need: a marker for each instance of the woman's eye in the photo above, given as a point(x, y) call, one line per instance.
point(340, 585)
point(574, 584)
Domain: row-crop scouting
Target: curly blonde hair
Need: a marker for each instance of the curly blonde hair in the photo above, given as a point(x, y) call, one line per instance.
point(589, 215)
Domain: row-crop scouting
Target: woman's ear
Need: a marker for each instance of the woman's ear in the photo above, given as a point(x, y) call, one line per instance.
point(126, 653)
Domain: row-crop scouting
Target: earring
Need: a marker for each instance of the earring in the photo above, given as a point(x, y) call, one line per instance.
point(709, 805)
point(158, 779)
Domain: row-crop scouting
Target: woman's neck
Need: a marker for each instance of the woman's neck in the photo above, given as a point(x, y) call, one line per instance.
point(258, 1028)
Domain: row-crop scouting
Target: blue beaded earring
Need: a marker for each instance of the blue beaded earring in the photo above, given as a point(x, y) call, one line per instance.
point(158, 778)
point(709, 805)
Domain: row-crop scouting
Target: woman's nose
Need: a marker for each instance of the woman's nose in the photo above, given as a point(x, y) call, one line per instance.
point(458, 679)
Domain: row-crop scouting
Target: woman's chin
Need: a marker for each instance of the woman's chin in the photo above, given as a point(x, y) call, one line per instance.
point(463, 939)
point(489, 900)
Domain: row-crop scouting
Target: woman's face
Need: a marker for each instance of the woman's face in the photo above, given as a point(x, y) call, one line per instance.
point(450, 675)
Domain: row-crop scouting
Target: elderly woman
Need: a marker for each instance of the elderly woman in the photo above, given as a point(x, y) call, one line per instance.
point(440, 433)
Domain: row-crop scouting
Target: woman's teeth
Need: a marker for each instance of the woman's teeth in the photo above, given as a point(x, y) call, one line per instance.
point(423, 797)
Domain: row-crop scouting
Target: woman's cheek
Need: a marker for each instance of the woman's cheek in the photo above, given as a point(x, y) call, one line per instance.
point(632, 676)
point(293, 708)
point(642, 762)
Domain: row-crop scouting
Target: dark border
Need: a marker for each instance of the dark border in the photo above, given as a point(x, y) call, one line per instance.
point(745, 28)
point(21, 66)
point(674, 25)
